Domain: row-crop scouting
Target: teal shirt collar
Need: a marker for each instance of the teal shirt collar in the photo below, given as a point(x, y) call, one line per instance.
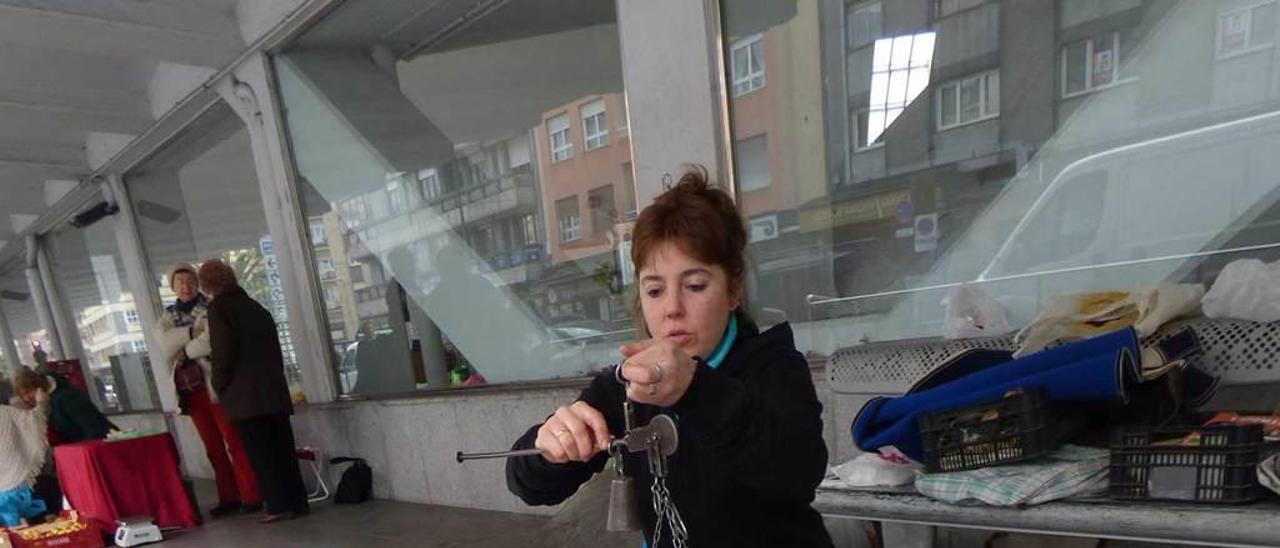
point(726, 342)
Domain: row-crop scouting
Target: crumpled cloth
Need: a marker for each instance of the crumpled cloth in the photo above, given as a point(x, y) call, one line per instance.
point(1070, 471)
point(1246, 289)
point(1073, 317)
point(23, 444)
point(1269, 473)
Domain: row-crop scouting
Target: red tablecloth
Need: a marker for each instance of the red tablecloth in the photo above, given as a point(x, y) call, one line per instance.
point(107, 480)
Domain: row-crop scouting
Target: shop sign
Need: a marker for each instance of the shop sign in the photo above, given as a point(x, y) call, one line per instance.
point(926, 232)
point(861, 210)
point(764, 228)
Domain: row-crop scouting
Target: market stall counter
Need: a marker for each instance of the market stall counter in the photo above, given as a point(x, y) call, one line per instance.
point(1181, 523)
point(110, 480)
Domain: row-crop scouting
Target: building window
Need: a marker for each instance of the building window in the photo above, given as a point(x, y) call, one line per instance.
point(325, 267)
point(1089, 65)
point(947, 8)
point(131, 316)
point(595, 129)
point(138, 346)
point(561, 146)
point(530, 230)
point(899, 73)
point(600, 200)
point(969, 100)
point(860, 121)
point(429, 179)
point(317, 234)
point(395, 195)
point(747, 57)
point(751, 162)
point(568, 219)
point(864, 23)
point(1246, 30)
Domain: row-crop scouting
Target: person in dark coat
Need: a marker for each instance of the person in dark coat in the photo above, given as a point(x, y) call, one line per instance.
point(751, 452)
point(73, 417)
point(248, 377)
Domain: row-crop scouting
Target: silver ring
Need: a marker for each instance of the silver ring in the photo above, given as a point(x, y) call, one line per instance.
point(653, 389)
point(560, 432)
point(661, 373)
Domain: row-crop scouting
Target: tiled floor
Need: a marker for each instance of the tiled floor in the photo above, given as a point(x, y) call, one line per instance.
point(369, 525)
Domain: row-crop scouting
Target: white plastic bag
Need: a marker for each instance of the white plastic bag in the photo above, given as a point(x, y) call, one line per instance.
point(1247, 289)
point(876, 470)
point(972, 313)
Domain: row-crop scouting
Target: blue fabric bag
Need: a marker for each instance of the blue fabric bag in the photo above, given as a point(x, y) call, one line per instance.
point(1097, 369)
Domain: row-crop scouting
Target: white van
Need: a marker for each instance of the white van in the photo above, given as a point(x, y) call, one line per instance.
point(1143, 213)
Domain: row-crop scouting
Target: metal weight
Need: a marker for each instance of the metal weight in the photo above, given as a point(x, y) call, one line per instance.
point(624, 511)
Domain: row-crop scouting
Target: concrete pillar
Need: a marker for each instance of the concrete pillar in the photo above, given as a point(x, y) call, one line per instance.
point(58, 312)
point(432, 341)
point(140, 283)
point(678, 111)
point(6, 344)
point(247, 91)
point(39, 299)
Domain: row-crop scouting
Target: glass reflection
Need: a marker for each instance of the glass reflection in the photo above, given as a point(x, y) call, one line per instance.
point(1055, 147)
point(469, 190)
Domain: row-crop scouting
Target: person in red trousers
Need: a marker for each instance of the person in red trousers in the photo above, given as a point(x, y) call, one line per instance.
point(184, 329)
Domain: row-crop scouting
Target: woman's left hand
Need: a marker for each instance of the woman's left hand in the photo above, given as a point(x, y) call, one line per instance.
point(660, 372)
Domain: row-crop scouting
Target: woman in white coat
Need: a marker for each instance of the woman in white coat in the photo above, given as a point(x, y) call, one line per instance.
point(184, 330)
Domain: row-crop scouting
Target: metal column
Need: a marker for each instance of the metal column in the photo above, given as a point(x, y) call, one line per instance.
point(6, 344)
point(38, 297)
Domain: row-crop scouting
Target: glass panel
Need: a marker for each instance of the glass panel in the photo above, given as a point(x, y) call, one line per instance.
point(970, 103)
point(752, 163)
point(948, 105)
point(757, 56)
point(603, 211)
point(740, 59)
point(992, 94)
point(89, 275)
point(1163, 179)
point(198, 198)
point(1263, 25)
point(864, 24)
point(509, 241)
point(1076, 67)
point(1105, 59)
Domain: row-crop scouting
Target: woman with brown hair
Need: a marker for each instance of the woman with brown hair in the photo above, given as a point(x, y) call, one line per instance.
point(73, 417)
point(248, 377)
point(750, 451)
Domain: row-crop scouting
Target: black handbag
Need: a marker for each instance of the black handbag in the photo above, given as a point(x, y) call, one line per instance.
point(356, 485)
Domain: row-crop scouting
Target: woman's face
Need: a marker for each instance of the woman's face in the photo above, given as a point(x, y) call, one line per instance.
point(685, 300)
point(184, 286)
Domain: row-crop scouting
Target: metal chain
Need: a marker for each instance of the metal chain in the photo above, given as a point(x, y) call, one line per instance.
point(667, 513)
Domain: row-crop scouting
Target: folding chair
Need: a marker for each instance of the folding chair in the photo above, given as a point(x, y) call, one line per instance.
point(311, 456)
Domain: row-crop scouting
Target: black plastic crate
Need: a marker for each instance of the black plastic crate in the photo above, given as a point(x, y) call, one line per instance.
point(1013, 429)
point(1221, 468)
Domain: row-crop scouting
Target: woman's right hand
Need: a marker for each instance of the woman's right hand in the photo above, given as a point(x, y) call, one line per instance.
point(575, 432)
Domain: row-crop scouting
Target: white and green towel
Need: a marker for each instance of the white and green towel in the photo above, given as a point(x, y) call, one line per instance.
point(1070, 471)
